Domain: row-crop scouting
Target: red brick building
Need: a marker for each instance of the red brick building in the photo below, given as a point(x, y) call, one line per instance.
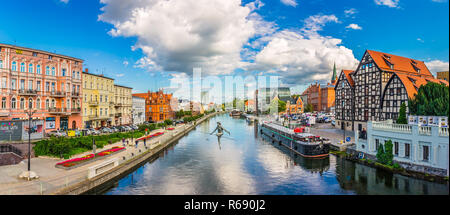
point(158, 105)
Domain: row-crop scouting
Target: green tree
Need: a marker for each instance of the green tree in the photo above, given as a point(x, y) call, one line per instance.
point(277, 105)
point(432, 99)
point(402, 115)
point(388, 153)
point(309, 108)
point(380, 154)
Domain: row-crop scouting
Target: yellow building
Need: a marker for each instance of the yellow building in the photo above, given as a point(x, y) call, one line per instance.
point(122, 105)
point(98, 100)
point(442, 75)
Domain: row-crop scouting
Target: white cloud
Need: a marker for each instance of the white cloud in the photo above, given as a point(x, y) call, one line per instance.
point(120, 75)
point(305, 56)
point(354, 26)
point(389, 3)
point(437, 66)
point(64, 1)
point(350, 12)
point(420, 40)
point(292, 3)
point(180, 35)
point(255, 5)
point(125, 63)
point(439, 1)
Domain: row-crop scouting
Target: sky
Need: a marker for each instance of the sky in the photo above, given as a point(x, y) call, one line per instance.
point(145, 44)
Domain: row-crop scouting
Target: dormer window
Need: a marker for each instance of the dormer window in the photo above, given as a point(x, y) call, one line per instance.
point(391, 66)
point(387, 57)
point(50, 57)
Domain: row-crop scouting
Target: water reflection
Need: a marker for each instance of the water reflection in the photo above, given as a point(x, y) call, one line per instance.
point(248, 163)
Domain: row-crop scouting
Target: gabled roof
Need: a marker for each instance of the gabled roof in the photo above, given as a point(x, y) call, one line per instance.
point(400, 64)
point(349, 77)
point(413, 82)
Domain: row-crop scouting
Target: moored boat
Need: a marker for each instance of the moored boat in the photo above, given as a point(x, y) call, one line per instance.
point(305, 144)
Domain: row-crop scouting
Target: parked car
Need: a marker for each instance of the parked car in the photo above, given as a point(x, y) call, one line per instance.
point(57, 133)
point(95, 132)
point(114, 129)
point(105, 130)
point(333, 123)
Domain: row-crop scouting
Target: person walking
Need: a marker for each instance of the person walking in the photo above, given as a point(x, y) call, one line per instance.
point(145, 143)
point(137, 141)
point(123, 142)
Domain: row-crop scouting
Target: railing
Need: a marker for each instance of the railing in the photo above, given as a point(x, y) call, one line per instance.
point(443, 131)
point(75, 94)
point(57, 94)
point(392, 127)
point(27, 92)
point(75, 110)
point(118, 114)
point(425, 130)
point(57, 110)
point(93, 103)
point(5, 148)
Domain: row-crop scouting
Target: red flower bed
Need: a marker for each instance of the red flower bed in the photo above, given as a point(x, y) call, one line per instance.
point(170, 129)
point(75, 161)
point(150, 136)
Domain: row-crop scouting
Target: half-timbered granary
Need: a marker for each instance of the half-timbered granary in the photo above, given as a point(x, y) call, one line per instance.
point(381, 82)
point(344, 100)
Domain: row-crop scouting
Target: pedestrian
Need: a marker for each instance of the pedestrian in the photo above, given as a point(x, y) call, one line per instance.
point(128, 143)
point(145, 143)
point(123, 142)
point(137, 143)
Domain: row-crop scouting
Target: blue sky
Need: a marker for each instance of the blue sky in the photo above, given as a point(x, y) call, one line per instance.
point(417, 29)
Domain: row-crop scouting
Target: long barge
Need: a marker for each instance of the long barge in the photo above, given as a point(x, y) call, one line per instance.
point(305, 144)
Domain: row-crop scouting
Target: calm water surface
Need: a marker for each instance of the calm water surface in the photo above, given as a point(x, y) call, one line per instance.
point(248, 163)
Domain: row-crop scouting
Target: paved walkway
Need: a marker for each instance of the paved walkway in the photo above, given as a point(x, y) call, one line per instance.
point(332, 133)
point(52, 178)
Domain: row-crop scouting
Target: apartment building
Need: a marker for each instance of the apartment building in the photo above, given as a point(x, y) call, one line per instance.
point(48, 83)
point(122, 105)
point(98, 100)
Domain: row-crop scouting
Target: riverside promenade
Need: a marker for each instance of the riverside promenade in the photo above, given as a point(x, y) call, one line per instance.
point(85, 178)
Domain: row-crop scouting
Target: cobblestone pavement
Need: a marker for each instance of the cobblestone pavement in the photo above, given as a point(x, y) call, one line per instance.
point(332, 133)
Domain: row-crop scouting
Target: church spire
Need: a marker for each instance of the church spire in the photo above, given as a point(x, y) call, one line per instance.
point(334, 77)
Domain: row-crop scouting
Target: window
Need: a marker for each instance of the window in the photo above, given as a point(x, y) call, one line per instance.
point(30, 84)
point(62, 86)
point(13, 84)
point(13, 103)
point(3, 103)
point(38, 69)
point(1, 64)
point(4, 82)
point(47, 70)
point(101, 111)
point(407, 149)
point(22, 84)
point(34, 54)
point(22, 103)
point(38, 103)
point(396, 148)
point(377, 144)
point(50, 57)
point(101, 98)
point(14, 66)
point(47, 104)
point(53, 86)
point(47, 86)
point(22, 67)
point(53, 71)
point(30, 68)
point(426, 153)
point(38, 86)
point(63, 72)
point(73, 74)
point(53, 103)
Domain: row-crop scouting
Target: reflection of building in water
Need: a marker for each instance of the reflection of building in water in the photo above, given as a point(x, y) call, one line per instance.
point(367, 180)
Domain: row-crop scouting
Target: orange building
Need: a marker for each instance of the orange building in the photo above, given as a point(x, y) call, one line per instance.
point(46, 82)
point(158, 105)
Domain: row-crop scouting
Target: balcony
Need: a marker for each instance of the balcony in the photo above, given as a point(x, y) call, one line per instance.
point(58, 94)
point(57, 111)
point(75, 110)
point(76, 94)
point(118, 114)
point(93, 103)
point(4, 113)
point(97, 117)
point(23, 92)
point(118, 104)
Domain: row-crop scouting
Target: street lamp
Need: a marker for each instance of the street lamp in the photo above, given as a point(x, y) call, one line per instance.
point(29, 174)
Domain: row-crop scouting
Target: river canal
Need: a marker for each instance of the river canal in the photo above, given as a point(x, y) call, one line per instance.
point(246, 163)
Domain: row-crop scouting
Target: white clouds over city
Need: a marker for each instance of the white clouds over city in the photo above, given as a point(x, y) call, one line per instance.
point(437, 66)
point(354, 26)
point(292, 3)
point(222, 36)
